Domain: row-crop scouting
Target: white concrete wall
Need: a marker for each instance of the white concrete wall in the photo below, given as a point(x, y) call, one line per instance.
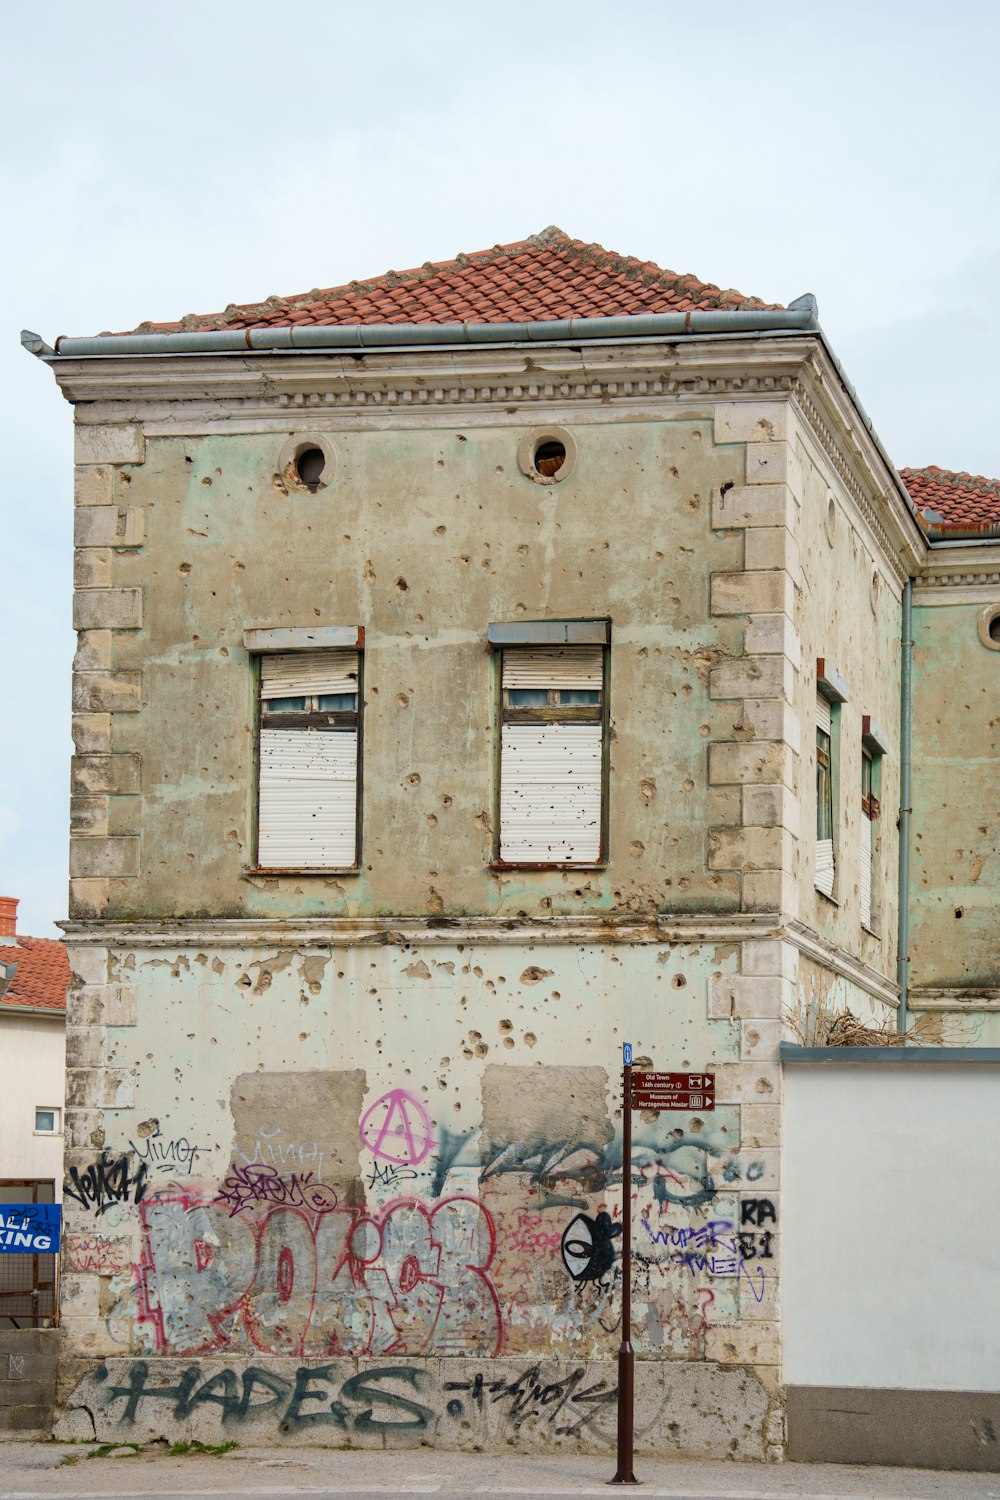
point(891, 1194)
point(32, 1076)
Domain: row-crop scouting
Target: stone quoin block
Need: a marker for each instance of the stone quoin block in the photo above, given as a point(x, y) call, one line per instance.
point(774, 463)
point(767, 719)
point(772, 547)
point(110, 443)
point(770, 956)
point(93, 651)
point(92, 568)
point(117, 775)
point(88, 815)
point(100, 1088)
point(752, 677)
point(759, 1040)
point(730, 763)
point(753, 422)
point(771, 806)
point(109, 526)
point(91, 732)
point(88, 898)
point(105, 1005)
point(752, 593)
point(84, 1047)
point(760, 1126)
point(87, 965)
point(771, 890)
point(748, 849)
point(113, 858)
point(752, 505)
point(772, 635)
point(759, 1345)
point(93, 485)
point(104, 692)
point(744, 997)
point(107, 609)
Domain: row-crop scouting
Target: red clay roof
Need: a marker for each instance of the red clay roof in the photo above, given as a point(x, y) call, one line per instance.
point(545, 276)
point(42, 977)
point(949, 499)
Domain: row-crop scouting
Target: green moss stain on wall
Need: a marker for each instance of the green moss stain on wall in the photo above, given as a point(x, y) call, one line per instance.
point(955, 879)
point(424, 538)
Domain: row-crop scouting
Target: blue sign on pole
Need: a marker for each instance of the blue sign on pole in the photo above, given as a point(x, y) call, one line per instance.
point(29, 1228)
point(627, 1050)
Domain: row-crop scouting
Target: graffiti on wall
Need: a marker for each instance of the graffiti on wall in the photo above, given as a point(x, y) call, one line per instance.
point(329, 1280)
point(385, 1401)
point(160, 1153)
point(105, 1183)
point(397, 1129)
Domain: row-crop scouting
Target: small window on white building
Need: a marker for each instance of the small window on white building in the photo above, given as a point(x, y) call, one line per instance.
point(308, 790)
point(47, 1121)
point(553, 756)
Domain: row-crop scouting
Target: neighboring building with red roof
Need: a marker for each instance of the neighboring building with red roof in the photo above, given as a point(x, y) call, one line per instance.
point(34, 980)
point(950, 502)
point(483, 666)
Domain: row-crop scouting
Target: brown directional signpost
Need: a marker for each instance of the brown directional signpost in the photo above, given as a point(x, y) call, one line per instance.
point(695, 1093)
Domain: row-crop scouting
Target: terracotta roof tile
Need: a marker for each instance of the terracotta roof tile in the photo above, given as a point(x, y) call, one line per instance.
point(42, 976)
point(547, 276)
point(948, 499)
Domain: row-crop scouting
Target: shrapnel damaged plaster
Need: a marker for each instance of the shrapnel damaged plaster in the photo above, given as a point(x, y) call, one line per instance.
point(371, 1191)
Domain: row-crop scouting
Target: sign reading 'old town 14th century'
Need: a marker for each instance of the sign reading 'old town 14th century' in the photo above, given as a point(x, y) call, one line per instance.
point(690, 1091)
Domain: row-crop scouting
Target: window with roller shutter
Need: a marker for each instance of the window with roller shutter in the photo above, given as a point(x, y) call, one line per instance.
point(825, 867)
point(553, 740)
point(308, 789)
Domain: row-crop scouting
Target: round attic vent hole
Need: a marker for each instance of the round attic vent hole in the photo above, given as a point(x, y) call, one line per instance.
point(549, 458)
point(309, 466)
point(546, 455)
point(989, 627)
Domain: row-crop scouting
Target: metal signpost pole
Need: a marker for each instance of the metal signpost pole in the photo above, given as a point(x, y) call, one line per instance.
point(626, 1356)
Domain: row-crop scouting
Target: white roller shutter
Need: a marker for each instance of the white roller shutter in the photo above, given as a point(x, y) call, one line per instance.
point(825, 870)
point(824, 866)
point(293, 674)
point(580, 668)
point(550, 792)
point(308, 796)
point(823, 718)
point(866, 870)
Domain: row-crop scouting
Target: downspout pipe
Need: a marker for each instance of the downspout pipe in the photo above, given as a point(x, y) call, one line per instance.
point(801, 317)
point(905, 800)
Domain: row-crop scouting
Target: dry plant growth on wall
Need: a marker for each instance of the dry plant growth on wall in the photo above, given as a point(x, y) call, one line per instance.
point(819, 1025)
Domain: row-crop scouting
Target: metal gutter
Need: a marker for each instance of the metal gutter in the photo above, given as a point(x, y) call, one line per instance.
point(32, 1010)
point(799, 317)
point(961, 536)
point(905, 800)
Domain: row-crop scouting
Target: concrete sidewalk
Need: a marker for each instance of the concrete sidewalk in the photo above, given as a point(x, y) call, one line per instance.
point(59, 1471)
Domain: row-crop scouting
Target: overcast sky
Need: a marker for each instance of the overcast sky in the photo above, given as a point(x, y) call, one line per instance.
point(168, 159)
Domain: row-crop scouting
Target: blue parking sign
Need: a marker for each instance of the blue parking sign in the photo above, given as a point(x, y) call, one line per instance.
point(29, 1228)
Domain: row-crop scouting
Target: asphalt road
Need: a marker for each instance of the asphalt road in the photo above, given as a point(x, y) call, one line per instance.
point(52, 1471)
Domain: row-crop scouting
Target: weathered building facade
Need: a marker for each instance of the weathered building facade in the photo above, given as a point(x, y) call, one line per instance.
point(452, 706)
